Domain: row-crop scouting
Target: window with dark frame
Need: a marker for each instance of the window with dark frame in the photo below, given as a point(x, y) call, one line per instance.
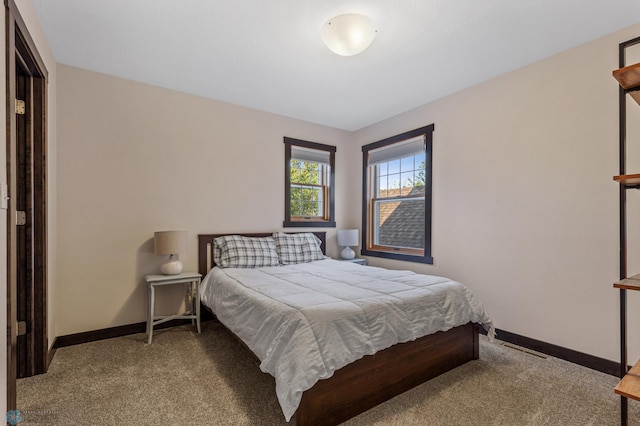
point(309, 181)
point(396, 196)
point(309, 184)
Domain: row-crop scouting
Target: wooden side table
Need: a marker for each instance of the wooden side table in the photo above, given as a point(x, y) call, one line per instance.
point(153, 281)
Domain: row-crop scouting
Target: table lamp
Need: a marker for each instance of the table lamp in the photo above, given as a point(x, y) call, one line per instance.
point(347, 238)
point(170, 243)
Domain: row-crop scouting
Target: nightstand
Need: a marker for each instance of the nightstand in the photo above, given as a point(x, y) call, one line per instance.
point(192, 279)
point(358, 260)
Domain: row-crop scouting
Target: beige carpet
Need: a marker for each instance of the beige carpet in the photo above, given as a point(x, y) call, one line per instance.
point(209, 379)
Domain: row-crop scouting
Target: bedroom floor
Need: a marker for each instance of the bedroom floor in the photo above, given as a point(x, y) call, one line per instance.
point(210, 379)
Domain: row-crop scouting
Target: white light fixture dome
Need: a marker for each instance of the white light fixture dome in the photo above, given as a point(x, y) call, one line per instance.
point(348, 34)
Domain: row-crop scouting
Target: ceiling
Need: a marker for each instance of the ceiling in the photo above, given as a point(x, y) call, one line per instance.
point(268, 55)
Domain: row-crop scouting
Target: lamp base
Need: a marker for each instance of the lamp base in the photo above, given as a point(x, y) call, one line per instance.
point(172, 267)
point(347, 253)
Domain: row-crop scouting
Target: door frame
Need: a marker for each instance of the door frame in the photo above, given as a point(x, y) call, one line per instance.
point(21, 47)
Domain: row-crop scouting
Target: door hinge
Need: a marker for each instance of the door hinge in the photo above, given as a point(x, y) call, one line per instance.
point(20, 107)
point(21, 218)
point(22, 328)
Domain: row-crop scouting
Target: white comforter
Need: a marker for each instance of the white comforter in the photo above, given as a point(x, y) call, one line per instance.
point(308, 320)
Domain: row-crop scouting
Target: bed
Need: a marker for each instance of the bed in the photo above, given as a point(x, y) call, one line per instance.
point(330, 383)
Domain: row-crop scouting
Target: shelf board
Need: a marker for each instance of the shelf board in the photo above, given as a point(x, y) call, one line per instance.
point(631, 283)
point(629, 386)
point(628, 180)
point(628, 77)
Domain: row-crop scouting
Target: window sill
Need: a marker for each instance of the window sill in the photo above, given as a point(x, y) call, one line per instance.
point(398, 256)
point(308, 224)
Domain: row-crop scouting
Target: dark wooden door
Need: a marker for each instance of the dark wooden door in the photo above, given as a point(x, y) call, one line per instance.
point(26, 99)
point(30, 202)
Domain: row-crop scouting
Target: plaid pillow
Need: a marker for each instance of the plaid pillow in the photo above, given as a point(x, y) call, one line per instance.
point(298, 248)
point(236, 251)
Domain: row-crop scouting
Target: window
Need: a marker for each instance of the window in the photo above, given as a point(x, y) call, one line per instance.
point(396, 196)
point(309, 184)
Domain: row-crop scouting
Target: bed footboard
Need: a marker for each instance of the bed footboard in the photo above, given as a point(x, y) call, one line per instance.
point(376, 378)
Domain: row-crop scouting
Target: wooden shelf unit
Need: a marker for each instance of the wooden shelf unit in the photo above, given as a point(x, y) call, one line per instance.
point(631, 283)
point(629, 78)
point(631, 181)
point(629, 386)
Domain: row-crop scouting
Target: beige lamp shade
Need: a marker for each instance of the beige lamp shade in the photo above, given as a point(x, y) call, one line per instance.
point(170, 243)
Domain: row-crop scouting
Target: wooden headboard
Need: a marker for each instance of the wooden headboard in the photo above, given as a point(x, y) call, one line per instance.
point(205, 243)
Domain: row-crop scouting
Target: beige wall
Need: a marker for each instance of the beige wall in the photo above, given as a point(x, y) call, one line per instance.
point(135, 159)
point(525, 211)
point(30, 18)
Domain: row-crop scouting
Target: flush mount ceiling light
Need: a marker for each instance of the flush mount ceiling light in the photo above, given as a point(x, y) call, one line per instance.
point(349, 34)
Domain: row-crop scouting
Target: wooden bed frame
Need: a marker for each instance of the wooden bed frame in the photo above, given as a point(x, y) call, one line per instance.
point(376, 378)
